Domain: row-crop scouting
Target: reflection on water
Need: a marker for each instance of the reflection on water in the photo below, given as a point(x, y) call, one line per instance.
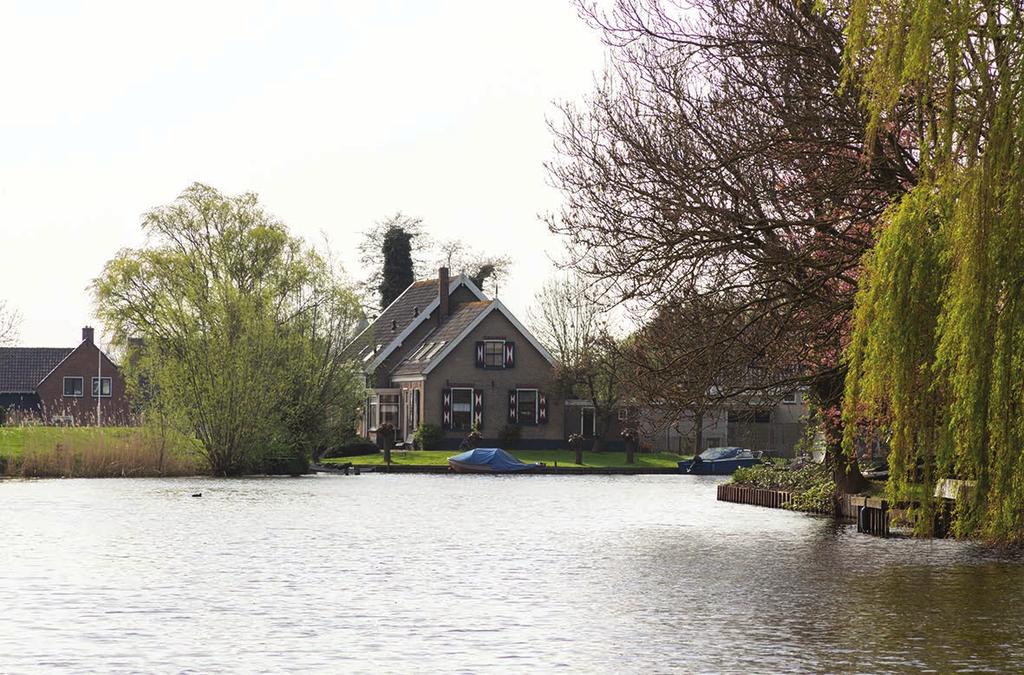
point(399, 573)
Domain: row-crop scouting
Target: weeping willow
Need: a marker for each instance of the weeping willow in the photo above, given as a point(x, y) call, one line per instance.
point(936, 357)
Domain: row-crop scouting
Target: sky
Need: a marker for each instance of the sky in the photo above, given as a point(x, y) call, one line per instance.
point(337, 114)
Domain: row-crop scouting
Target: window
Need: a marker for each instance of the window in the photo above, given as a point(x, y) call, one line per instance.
point(623, 414)
point(373, 412)
point(588, 422)
point(389, 409)
point(790, 398)
point(101, 387)
point(462, 409)
point(73, 386)
point(762, 416)
point(494, 354)
point(526, 406)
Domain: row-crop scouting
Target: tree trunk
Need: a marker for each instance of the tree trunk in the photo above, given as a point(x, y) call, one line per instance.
point(631, 452)
point(698, 432)
point(828, 390)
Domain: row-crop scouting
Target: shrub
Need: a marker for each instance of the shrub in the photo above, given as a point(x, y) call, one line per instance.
point(427, 436)
point(510, 435)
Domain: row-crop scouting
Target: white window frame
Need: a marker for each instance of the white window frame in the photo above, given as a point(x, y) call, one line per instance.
point(397, 403)
point(792, 398)
point(472, 405)
point(373, 412)
point(97, 392)
point(593, 421)
point(623, 414)
point(81, 389)
point(501, 354)
point(536, 406)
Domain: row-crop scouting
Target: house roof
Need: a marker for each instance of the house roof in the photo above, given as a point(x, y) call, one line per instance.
point(440, 342)
point(400, 318)
point(23, 368)
point(421, 356)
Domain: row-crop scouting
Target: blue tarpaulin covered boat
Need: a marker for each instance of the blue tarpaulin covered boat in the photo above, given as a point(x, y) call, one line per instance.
point(488, 460)
point(720, 461)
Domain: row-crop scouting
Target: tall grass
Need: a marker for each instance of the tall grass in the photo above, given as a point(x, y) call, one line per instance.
point(52, 452)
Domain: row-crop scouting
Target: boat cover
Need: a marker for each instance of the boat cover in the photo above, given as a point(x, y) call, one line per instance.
point(495, 458)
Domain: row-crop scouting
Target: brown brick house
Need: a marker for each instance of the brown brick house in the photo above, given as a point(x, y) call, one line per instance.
point(444, 354)
point(63, 385)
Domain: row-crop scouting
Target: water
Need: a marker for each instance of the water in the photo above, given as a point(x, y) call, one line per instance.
point(382, 573)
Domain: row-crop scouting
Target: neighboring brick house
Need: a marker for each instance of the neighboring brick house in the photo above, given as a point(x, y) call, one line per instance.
point(63, 385)
point(444, 354)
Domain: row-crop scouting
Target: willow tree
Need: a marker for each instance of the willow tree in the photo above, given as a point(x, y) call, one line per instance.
point(937, 356)
point(235, 327)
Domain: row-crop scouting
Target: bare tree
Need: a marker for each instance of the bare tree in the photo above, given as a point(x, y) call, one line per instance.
point(569, 321)
point(461, 258)
point(10, 321)
point(722, 164)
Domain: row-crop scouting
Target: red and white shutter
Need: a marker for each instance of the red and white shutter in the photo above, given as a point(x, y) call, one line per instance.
point(513, 411)
point(478, 408)
point(510, 354)
point(446, 408)
point(542, 408)
point(479, 354)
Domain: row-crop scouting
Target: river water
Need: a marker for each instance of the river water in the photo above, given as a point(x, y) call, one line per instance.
point(381, 573)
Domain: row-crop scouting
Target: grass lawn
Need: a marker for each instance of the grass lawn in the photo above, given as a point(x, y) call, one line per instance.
point(549, 457)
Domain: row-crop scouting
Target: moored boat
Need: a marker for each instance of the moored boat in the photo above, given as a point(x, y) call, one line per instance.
point(488, 460)
point(720, 461)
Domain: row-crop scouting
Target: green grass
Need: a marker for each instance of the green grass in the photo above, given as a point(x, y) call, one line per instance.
point(14, 440)
point(549, 457)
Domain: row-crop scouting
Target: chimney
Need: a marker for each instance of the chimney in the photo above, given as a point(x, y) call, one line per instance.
point(442, 294)
point(87, 334)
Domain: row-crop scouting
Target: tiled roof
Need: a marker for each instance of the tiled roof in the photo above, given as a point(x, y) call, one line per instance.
point(434, 343)
point(395, 318)
point(22, 368)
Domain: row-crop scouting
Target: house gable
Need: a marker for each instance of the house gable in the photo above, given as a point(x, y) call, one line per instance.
point(86, 361)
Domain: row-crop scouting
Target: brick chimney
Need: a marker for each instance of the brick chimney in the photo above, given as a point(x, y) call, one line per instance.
point(442, 294)
point(87, 334)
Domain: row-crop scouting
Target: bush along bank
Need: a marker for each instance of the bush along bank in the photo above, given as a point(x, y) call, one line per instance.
point(811, 486)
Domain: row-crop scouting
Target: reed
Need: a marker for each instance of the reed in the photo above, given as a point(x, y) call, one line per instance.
point(51, 452)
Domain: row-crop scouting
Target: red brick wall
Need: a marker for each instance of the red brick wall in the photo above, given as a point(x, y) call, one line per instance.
point(83, 363)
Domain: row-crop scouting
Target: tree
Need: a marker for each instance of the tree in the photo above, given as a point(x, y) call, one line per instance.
point(10, 320)
point(389, 248)
point(722, 164)
point(937, 353)
point(235, 326)
point(576, 332)
point(479, 267)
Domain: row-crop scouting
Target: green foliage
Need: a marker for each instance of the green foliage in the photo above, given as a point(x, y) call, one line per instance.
point(242, 330)
point(937, 353)
point(776, 477)
point(396, 250)
point(815, 499)
point(427, 436)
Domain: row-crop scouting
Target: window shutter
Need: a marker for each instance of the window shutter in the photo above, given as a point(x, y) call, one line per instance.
point(446, 408)
point(542, 408)
point(478, 408)
point(510, 354)
point(479, 354)
point(513, 414)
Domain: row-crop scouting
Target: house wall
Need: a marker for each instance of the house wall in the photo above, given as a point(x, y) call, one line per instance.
point(381, 378)
point(531, 371)
point(82, 362)
point(572, 425)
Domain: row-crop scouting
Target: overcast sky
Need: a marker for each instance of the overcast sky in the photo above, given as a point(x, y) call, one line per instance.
point(337, 113)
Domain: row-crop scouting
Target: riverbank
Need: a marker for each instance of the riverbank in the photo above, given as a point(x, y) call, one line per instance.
point(556, 461)
point(96, 452)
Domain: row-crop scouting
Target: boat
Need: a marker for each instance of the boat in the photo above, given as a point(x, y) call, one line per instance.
point(720, 461)
point(489, 460)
